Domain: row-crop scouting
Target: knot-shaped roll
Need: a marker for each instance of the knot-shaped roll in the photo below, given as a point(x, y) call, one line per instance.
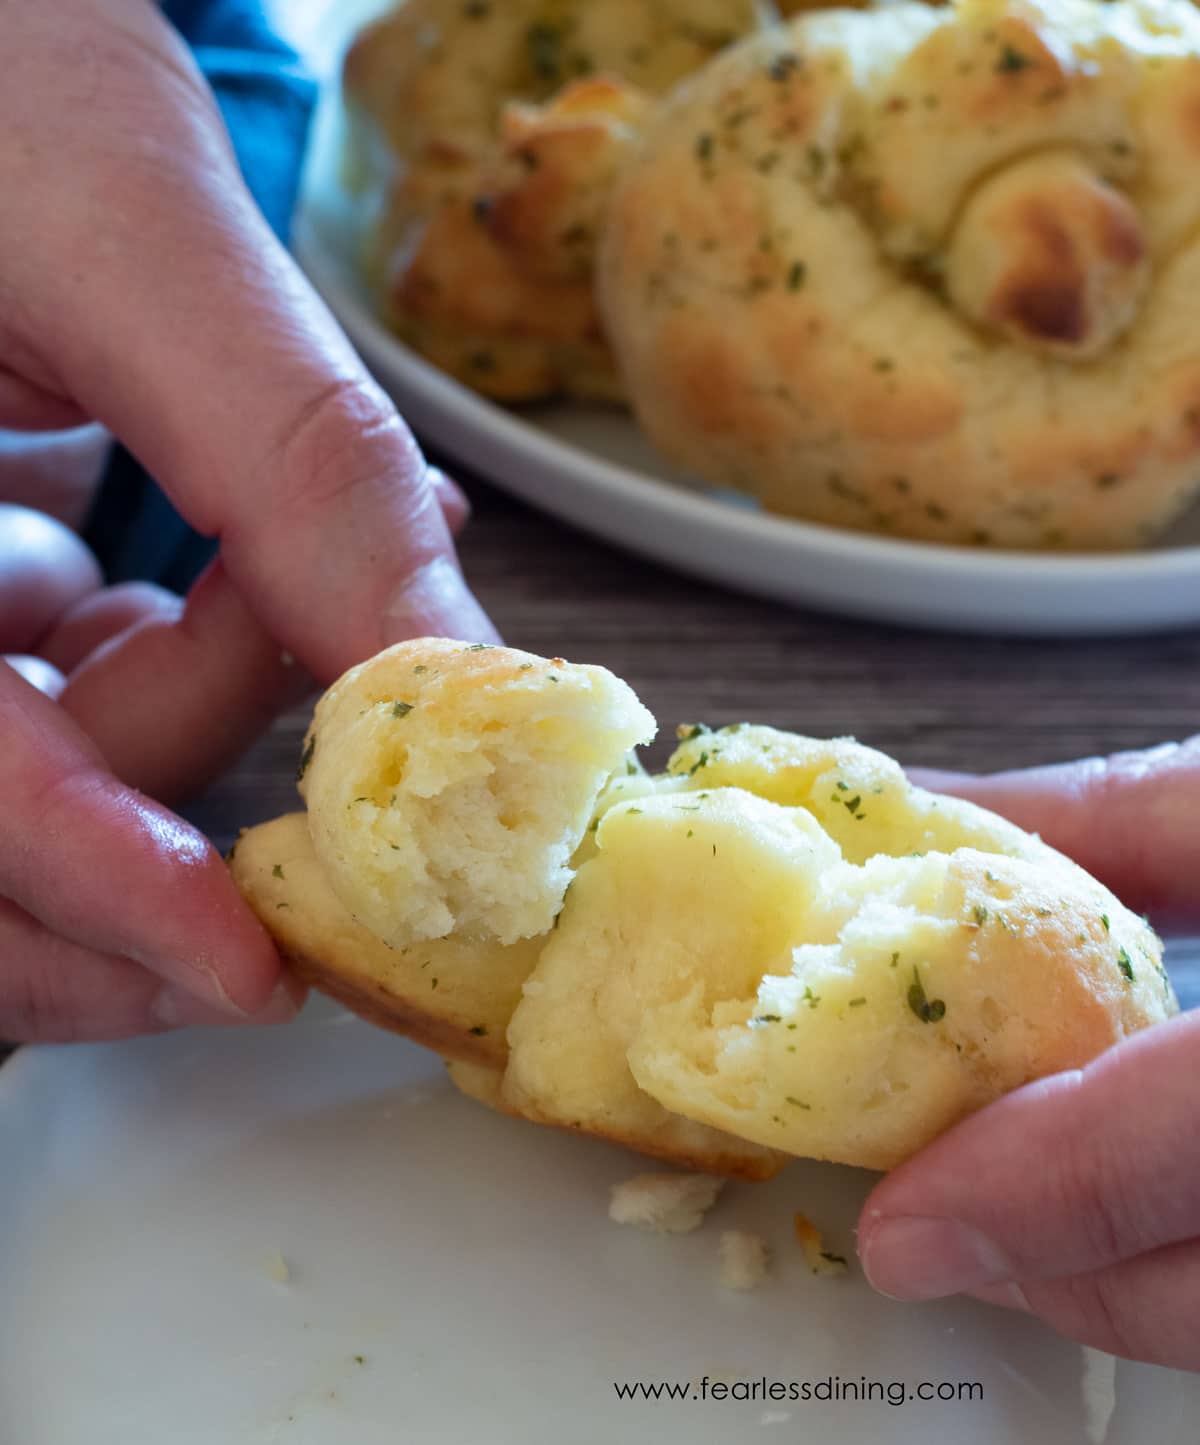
point(928, 271)
point(779, 946)
point(503, 124)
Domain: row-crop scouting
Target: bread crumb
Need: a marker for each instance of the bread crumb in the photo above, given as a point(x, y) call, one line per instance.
point(276, 1268)
point(743, 1259)
point(820, 1260)
point(664, 1203)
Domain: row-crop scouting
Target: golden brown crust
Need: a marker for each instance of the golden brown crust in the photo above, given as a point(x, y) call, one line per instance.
point(1050, 256)
point(509, 122)
point(932, 272)
point(736, 1161)
point(450, 996)
point(372, 1000)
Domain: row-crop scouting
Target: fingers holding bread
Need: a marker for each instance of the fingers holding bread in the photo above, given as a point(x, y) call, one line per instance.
point(777, 947)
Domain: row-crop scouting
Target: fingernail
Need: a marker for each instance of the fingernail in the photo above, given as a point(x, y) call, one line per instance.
point(435, 602)
point(910, 1258)
point(174, 1008)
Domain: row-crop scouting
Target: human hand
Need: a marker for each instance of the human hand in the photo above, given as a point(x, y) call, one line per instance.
point(1076, 1198)
point(140, 288)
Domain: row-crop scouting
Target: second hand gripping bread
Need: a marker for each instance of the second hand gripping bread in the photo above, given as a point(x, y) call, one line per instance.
point(778, 947)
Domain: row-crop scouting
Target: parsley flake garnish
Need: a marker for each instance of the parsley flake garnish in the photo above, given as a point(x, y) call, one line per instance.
point(1013, 60)
point(929, 1011)
point(306, 756)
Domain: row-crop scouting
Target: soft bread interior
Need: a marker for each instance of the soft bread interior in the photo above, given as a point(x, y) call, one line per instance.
point(448, 786)
point(842, 976)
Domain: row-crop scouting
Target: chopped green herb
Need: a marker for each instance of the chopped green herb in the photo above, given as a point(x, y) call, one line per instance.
point(929, 1011)
point(401, 709)
point(686, 731)
point(1105, 922)
point(704, 147)
point(856, 1003)
point(981, 914)
point(766, 1019)
point(277, 871)
point(420, 668)
point(282, 905)
point(797, 275)
point(1012, 60)
point(833, 1258)
point(798, 1103)
point(543, 47)
point(480, 647)
point(700, 762)
point(362, 1359)
point(843, 787)
point(1125, 963)
point(433, 983)
point(306, 756)
point(810, 998)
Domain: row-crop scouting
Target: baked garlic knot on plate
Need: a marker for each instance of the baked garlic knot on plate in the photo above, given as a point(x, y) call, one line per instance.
point(505, 123)
point(928, 271)
point(777, 947)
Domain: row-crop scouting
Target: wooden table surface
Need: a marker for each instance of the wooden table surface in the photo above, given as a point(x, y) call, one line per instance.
point(696, 652)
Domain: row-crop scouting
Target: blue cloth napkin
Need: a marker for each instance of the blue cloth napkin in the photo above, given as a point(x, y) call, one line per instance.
point(267, 102)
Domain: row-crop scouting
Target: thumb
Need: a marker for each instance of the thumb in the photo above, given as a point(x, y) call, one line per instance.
point(1064, 1177)
point(194, 338)
point(1129, 819)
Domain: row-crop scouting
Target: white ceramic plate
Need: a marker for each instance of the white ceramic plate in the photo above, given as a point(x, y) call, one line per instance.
point(592, 466)
point(453, 1275)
